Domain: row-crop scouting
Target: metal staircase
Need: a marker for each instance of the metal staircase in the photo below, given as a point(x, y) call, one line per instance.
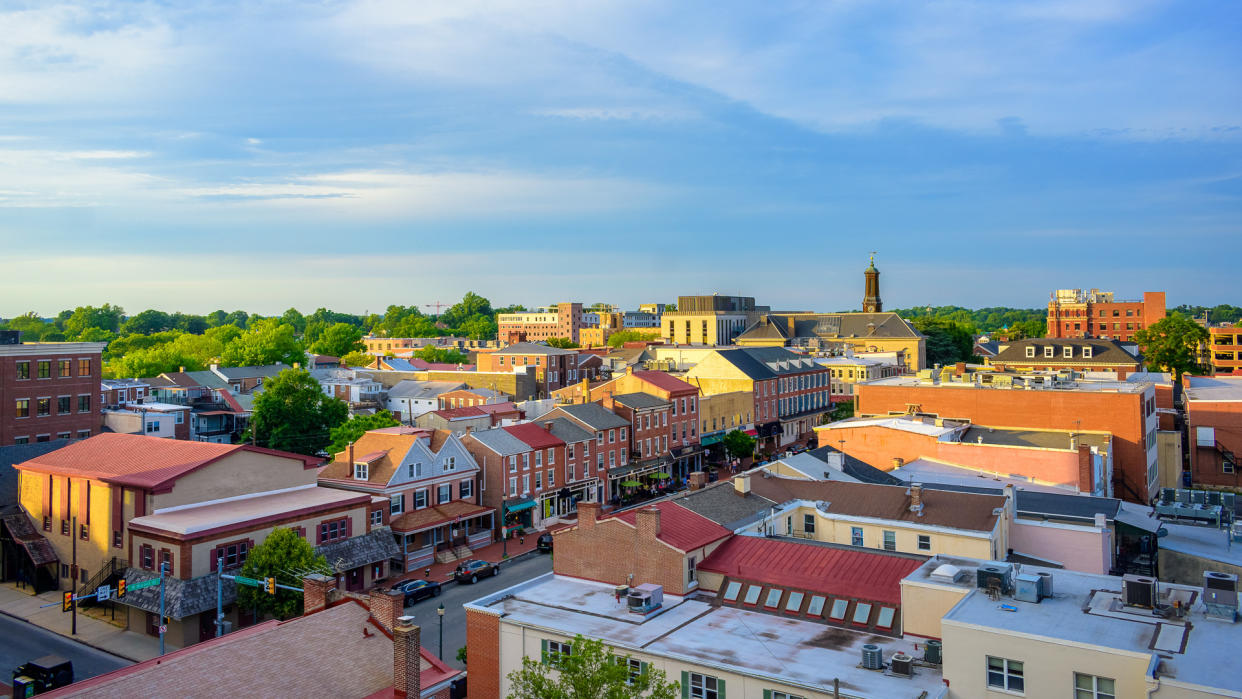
point(113, 568)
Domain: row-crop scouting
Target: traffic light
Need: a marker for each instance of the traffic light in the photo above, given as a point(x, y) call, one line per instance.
point(120, 588)
point(271, 586)
point(66, 602)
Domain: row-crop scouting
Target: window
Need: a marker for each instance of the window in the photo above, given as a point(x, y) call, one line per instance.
point(569, 451)
point(862, 613)
point(539, 459)
point(23, 440)
point(1092, 687)
point(360, 470)
point(890, 540)
point(774, 598)
point(526, 461)
point(450, 463)
point(808, 523)
point(924, 542)
point(64, 366)
point(1067, 352)
point(23, 370)
point(856, 536)
point(554, 651)
point(599, 460)
point(752, 594)
point(45, 369)
point(538, 480)
point(466, 488)
point(153, 426)
point(396, 504)
point(444, 493)
point(839, 607)
point(885, 618)
point(84, 406)
point(783, 695)
point(512, 464)
point(551, 478)
point(63, 435)
point(44, 407)
point(794, 604)
point(146, 557)
point(732, 590)
point(691, 569)
point(637, 668)
point(377, 518)
point(525, 483)
point(513, 486)
point(23, 407)
point(84, 367)
point(166, 562)
point(420, 499)
point(1086, 352)
point(612, 459)
point(612, 436)
point(1005, 674)
point(704, 686)
point(551, 457)
point(816, 607)
point(333, 531)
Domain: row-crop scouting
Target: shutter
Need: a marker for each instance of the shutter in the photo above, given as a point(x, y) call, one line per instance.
point(214, 553)
point(349, 527)
point(84, 504)
point(720, 686)
point(543, 658)
point(685, 685)
point(767, 694)
point(118, 502)
point(65, 511)
point(642, 668)
point(318, 533)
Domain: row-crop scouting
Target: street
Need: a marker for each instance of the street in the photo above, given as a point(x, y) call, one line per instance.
point(454, 596)
point(21, 642)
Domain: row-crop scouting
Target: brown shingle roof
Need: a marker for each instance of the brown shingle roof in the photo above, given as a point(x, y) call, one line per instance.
point(942, 508)
point(435, 515)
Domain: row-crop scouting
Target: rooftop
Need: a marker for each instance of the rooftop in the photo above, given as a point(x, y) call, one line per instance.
point(499, 441)
point(664, 381)
point(536, 435)
point(721, 503)
point(593, 415)
point(786, 650)
point(932, 471)
point(202, 519)
point(1214, 388)
point(1035, 379)
point(641, 401)
point(1037, 439)
point(416, 390)
point(680, 527)
point(533, 348)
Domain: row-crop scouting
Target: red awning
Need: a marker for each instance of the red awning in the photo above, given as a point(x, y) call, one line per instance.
point(752, 433)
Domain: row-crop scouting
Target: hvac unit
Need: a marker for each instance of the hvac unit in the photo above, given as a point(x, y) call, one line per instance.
point(931, 652)
point(998, 575)
point(1220, 589)
point(645, 599)
point(901, 664)
point(872, 657)
point(1027, 588)
point(1139, 591)
point(1045, 585)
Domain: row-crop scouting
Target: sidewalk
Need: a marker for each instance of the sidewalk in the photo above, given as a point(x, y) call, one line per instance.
point(516, 547)
point(96, 633)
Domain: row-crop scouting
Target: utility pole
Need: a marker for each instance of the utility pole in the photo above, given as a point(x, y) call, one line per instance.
point(73, 573)
point(219, 596)
point(161, 608)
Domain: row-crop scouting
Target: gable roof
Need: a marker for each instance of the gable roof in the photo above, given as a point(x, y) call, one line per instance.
point(593, 415)
point(829, 326)
point(856, 468)
point(536, 435)
point(665, 381)
point(1102, 351)
point(640, 401)
point(141, 461)
point(265, 371)
point(499, 441)
point(968, 511)
point(466, 411)
point(680, 527)
point(721, 503)
point(383, 452)
point(568, 431)
point(831, 571)
point(760, 363)
point(422, 389)
point(16, 454)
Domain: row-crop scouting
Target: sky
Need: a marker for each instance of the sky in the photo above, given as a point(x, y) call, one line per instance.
point(352, 155)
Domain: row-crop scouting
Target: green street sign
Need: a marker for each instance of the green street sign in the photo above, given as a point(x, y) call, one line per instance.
point(153, 582)
point(241, 580)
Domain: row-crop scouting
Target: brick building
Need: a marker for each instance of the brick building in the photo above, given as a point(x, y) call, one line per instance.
point(1214, 421)
point(1125, 410)
point(1095, 313)
point(553, 367)
point(48, 390)
point(562, 320)
point(610, 451)
point(1225, 349)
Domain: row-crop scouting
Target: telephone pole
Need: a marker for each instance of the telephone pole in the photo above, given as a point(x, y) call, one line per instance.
point(73, 573)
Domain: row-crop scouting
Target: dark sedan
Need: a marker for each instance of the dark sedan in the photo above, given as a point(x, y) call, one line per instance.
point(471, 571)
point(417, 589)
point(545, 542)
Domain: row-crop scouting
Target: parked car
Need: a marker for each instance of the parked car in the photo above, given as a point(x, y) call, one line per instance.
point(471, 571)
point(417, 589)
point(545, 542)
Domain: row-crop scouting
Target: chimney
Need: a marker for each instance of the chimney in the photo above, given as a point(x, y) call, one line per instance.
point(351, 458)
point(406, 658)
point(741, 484)
point(698, 480)
point(1101, 520)
point(469, 428)
point(315, 589)
point(1086, 472)
point(586, 390)
point(182, 369)
point(547, 425)
point(386, 606)
point(588, 512)
point(898, 462)
point(959, 368)
point(647, 520)
point(916, 498)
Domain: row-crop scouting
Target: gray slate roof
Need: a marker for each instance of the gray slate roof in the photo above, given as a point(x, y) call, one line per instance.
point(16, 454)
point(720, 503)
point(568, 432)
point(208, 379)
point(1102, 351)
point(182, 598)
point(500, 441)
point(593, 415)
point(829, 326)
point(266, 371)
point(857, 469)
point(639, 401)
point(760, 363)
point(373, 547)
point(418, 390)
point(1072, 506)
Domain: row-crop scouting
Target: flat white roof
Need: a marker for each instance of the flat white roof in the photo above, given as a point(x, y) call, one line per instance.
point(924, 470)
point(1204, 542)
point(1215, 388)
point(1086, 610)
point(222, 513)
point(904, 424)
point(782, 649)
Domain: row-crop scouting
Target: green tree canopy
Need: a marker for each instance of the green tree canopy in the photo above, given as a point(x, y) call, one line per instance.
point(293, 414)
point(442, 355)
point(354, 427)
point(479, 328)
point(738, 444)
point(31, 325)
point(948, 341)
point(1172, 344)
point(266, 342)
point(339, 340)
point(357, 359)
point(589, 671)
point(194, 352)
point(470, 305)
point(294, 318)
point(287, 557)
point(623, 336)
point(148, 322)
point(562, 342)
point(105, 317)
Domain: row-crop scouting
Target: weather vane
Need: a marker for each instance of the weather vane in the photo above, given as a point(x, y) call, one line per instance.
point(873, 258)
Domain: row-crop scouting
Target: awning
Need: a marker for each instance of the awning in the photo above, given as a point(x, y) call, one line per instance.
point(661, 475)
point(1138, 518)
point(752, 433)
point(708, 441)
point(631, 484)
point(519, 505)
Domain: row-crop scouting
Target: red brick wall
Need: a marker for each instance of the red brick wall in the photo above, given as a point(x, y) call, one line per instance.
point(13, 389)
point(483, 656)
point(610, 550)
point(1205, 462)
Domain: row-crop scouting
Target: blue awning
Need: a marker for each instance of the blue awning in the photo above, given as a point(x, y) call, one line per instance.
point(519, 506)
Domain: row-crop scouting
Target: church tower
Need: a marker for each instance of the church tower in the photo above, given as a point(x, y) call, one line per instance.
point(871, 296)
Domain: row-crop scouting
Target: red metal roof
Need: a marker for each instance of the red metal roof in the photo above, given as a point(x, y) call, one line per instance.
point(681, 528)
point(665, 381)
point(829, 571)
point(464, 411)
point(493, 408)
point(534, 435)
point(138, 460)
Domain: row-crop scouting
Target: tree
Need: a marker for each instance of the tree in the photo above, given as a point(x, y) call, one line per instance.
point(470, 305)
point(105, 317)
point(479, 328)
point(339, 340)
point(356, 359)
point(194, 352)
point(148, 322)
point(293, 414)
point(562, 342)
point(948, 341)
point(224, 334)
point(623, 336)
point(353, 428)
point(294, 318)
point(589, 671)
point(238, 318)
point(441, 355)
point(31, 326)
point(1172, 343)
point(266, 342)
point(738, 444)
point(287, 557)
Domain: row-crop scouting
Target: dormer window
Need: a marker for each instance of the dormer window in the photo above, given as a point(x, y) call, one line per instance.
point(1086, 352)
point(1049, 352)
point(360, 470)
point(1030, 352)
point(1067, 352)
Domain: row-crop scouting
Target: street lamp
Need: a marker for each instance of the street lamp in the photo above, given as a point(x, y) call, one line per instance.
point(440, 611)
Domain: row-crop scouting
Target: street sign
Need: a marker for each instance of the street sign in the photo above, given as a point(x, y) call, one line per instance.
point(103, 593)
point(242, 580)
point(163, 629)
point(142, 585)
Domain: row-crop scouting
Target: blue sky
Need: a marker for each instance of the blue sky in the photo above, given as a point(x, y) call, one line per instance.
point(358, 154)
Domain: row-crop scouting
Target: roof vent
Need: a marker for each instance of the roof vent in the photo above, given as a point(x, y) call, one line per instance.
point(947, 573)
point(872, 657)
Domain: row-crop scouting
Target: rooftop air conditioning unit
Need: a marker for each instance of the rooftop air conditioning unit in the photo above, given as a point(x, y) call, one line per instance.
point(872, 657)
point(1220, 593)
point(1028, 588)
point(1045, 585)
point(1139, 591)
point(901, 664)
point(998, 575)
point(644, 599)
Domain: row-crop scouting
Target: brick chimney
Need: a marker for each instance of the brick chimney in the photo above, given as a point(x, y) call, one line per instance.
point(916, 498)
point(386, 606)
point(406, 658)
point(791, 323)
point(741, 484)
point(351, 459)
point(586, 390)
point(698, 480)
point(959, 368)
point(315, 589)
point(547, 425)
point(1086, 474)
point(588, 513)
point(647, 520)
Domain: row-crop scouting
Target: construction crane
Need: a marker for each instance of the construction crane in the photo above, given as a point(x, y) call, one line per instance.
point(437, 305)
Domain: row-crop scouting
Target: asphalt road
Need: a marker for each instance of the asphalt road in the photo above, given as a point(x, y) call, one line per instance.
point(454, 596)
point(21, 642)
